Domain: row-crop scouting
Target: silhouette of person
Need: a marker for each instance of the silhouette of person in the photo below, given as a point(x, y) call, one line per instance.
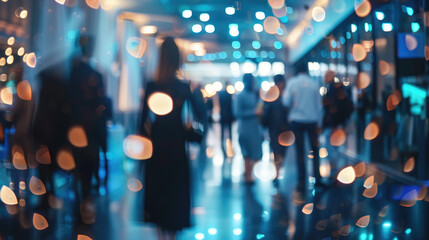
point(86, 91)
point(250, 137)
point(167, 178)
point(275, 119)
point(304, 102)
point(226, 117)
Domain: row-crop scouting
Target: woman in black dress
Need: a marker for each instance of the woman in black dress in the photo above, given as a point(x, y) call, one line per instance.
point(167, 178)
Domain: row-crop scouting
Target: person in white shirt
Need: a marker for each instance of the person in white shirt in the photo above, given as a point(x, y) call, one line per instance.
point(304, 102)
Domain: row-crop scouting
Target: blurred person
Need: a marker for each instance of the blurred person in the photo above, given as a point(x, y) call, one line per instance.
point(106, 119)
point(304, 103)
point(86, 91)
point(167, 179)
point(247, 112)
point(337, 104)
point(226, 117)
point(52, 119)
point(275, 119)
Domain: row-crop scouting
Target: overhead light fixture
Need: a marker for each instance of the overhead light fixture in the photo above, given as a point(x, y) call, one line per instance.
point(379, 15)
point(204, 17)
point(148, 30)
point(234, 32)
point(260, 15)
point(187, 14)
point(258, 28)
point(230, 10)
point(236, 44)
point(256, 44)
point(387, 27)
point(197, 28)
point(210, 28)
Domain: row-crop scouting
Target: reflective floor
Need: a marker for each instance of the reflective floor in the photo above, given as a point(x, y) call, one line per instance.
point(376, 205)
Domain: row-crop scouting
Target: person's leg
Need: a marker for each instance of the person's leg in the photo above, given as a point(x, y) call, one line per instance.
point(314, 143)
point(106, 168)
point(248, 167)
point(278, 161)
point(299, 143)
point(223, 128)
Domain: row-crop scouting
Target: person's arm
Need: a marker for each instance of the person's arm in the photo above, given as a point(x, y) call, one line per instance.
point(287, 96)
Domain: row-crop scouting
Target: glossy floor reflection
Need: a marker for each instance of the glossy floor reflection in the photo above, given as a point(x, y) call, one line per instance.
point(377, 205)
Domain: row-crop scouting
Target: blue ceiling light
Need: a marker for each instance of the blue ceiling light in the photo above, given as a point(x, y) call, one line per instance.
point(210, 28)
point(408, 231)
point(280, 31)
point(230, 10)
point(223, 55)
point(353, 27)
point(260, 15)
point(236, 54)
point(278, 45)
point(264, 54)
point(256, 44)
point(258, 27)
point(197, 28)
point(387, 27)
point(284, 19)
point(236, 44)
point(289, 10)
point(234, 32)
point(410, 11)
point(204, 17)
point(348, 35)
point(187, 13)
point(387, 224)
point(191, 58)
point(271, 55)
point(379, 15)
point(415, 27)
point(368, 27)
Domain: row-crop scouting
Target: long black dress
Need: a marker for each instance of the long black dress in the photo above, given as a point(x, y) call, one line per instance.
point(167, 178)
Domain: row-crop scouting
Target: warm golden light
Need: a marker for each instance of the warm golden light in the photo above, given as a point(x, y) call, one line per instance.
point(83, 237)
point(409, 165)
point(43, 156)
point(363, 9)
point(160, 103)
point(323, 152)
point(21, 51)
point(359, 52)
point(409, 199)
point(286, 138)
point(276, 4)
point(318, 14)
point(411, 42)
point(338, 137)
point(210, 152)
point(345, 230)
point(371, 131)
point(18, 160)
point(384, 67)
point(77, 137)
point(371, 192)
point(148, 30)
point(308, 208)
point(95, 4)
point(8, 51)
point(136, 47)
point(392, 102)
point(23, 14)
point(229, 149)
point(384, 211)
point(360, 169)
point(31, 60)
point(363, 221)
point(138, 147)
point(65, 160)
point(363, 80)
point(60, 1)
point(271, 24)
point(6, 95)
point(11, 41)
point(134, 185)
point(36, 186)
point(369, 182)
point(347, 175)
point(2, 63)
point(23, 89)
point(271, 95)
point(10, 60)
point(230, 89)
point(7, 196)
point(39, 222)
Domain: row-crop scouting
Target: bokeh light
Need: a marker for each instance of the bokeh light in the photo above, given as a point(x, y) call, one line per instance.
point(43, 156)
point(95, 4)
point(371, 192)
point(136, 47)
point(363, 221)
point(318, 14)
point(363, 9)
point(338, 137)
point(138, 147)
point(271, 24)
point(65, 159)
point(371, 131)
point(363, 80)
point(271, 95)
point(347, 175)
point(265, 171)
point(134, 185)
point(308, 208)
point(6, 95)
point(31, 60)
point(39, 222)
point(286, 138)
point(359, 52)
point(7, 196)
point(36, 186)
point(409, 165)
point(369, 182)
point(77, 137)
point(23, 90)
point(276, 4)
point(160, 103)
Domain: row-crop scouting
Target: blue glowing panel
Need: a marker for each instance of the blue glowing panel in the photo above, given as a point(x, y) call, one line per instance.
point(415, 47)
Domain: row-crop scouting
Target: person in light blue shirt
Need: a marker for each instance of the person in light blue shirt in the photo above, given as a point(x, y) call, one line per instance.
point(304, 102)
point(247, 111)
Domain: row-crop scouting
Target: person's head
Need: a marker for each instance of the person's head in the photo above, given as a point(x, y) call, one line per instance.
point(280, 81)
point(329, 76)
point(249, 82)
point(301, 68)
point(87, 45)
point(169, 61)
